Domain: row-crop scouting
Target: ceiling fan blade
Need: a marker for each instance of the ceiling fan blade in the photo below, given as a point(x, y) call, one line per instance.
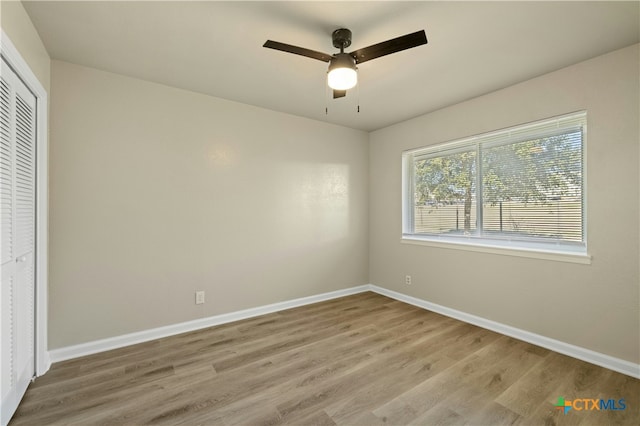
point(339, 94)
point(390, 46)
point(297, 50)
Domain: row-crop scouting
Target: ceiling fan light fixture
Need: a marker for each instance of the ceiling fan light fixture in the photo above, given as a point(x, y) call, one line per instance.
point(343, 73)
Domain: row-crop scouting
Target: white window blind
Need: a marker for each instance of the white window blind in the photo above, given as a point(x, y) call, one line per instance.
point(522, 187)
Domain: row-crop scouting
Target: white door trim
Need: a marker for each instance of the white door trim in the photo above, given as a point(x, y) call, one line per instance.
point(20, 66)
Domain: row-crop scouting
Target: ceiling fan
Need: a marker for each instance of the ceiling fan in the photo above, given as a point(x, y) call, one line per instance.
point(342, 73)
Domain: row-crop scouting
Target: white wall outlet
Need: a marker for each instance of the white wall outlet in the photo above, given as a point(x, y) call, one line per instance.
point(407, 279)
point(199, 297)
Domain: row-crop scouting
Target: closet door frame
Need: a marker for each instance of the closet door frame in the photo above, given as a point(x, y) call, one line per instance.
point(11, 55)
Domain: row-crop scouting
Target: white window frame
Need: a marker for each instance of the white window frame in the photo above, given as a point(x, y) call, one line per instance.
point(532, 249)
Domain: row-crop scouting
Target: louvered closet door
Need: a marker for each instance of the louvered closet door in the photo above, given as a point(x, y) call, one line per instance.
point(17, 214)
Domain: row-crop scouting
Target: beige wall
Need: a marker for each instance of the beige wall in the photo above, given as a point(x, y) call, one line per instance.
point(594, 306)
point(17, 25)
point(158, 192)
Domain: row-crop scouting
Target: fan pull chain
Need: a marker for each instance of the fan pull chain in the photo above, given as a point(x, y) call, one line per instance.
point(358, 89)
point(326, 100)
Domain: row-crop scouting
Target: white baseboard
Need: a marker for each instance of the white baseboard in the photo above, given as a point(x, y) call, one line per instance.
point(43, 364)
point(102, 345)
point(597, 358)
point(606, 361)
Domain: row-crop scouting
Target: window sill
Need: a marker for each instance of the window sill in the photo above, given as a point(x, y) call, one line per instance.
point(485, 247)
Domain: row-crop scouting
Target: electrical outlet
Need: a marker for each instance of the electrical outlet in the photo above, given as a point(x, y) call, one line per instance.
point(407, 279)
point(199, 297)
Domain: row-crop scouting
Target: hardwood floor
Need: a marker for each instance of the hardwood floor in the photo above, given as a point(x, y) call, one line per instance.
point(358, 360)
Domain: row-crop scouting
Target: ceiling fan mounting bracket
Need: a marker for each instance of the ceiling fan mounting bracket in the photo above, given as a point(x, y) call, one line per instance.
point(341, 38)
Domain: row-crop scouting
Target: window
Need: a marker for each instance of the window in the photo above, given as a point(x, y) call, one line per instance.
point(519, 188)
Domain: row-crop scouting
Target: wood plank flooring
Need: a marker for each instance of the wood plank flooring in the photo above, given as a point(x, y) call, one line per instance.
point(358, 360)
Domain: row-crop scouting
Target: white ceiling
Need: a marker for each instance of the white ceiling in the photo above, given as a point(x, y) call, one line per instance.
point(216, 48)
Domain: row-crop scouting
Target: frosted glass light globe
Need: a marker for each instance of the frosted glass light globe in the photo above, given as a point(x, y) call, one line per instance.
point(342, 72)
point(342, 78)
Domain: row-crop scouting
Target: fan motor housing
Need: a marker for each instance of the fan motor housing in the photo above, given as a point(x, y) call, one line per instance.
point(341, 38)
point(342, 60)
